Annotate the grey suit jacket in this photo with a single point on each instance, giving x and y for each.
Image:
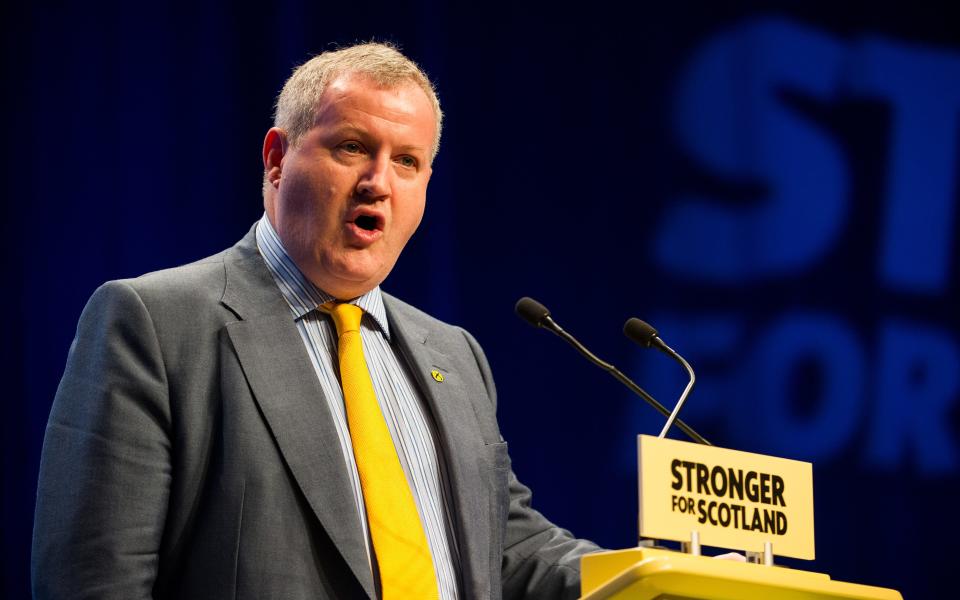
(190, 454)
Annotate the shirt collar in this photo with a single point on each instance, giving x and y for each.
(301, 295)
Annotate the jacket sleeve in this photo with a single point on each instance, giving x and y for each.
(540, 560)
(105, 468)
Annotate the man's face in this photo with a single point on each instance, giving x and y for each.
(352, 192)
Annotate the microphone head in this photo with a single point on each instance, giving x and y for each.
(531, 311)
(640, 332)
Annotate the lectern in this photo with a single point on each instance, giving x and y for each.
(697, 494)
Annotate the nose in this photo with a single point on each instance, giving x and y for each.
(374, 182)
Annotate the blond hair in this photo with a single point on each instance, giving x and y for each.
(297, 103)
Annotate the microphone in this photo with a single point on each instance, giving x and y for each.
(645, 335)
(538, 316)
(534, 313)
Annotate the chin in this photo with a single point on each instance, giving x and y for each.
(355, 275)
(353, 284)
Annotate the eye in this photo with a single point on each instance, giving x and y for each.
(351, 147)
(407, 161)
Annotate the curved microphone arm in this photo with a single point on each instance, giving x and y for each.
(686, 392)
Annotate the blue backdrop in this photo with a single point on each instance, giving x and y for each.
(774, 189)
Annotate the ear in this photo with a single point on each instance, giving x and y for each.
(274, 149)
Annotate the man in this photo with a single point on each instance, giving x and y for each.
(200, 444)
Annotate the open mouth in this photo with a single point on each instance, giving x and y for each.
(366, 222)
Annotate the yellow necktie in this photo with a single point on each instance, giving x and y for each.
(399, 541)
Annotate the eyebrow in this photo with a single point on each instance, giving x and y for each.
(348, 129)
(412, 148)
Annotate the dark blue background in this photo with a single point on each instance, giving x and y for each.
(771, 184)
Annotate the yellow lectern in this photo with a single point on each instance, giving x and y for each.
(702, 494)
(652, 574)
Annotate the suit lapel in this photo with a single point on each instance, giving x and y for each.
(461, 447)
(285, 387)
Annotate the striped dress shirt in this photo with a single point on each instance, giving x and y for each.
(400, 401)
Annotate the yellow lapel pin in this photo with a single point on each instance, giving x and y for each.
(437, 376)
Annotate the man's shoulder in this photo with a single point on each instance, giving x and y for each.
(399, 309)
(186, 293)
(202, 278)
(440, 331)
